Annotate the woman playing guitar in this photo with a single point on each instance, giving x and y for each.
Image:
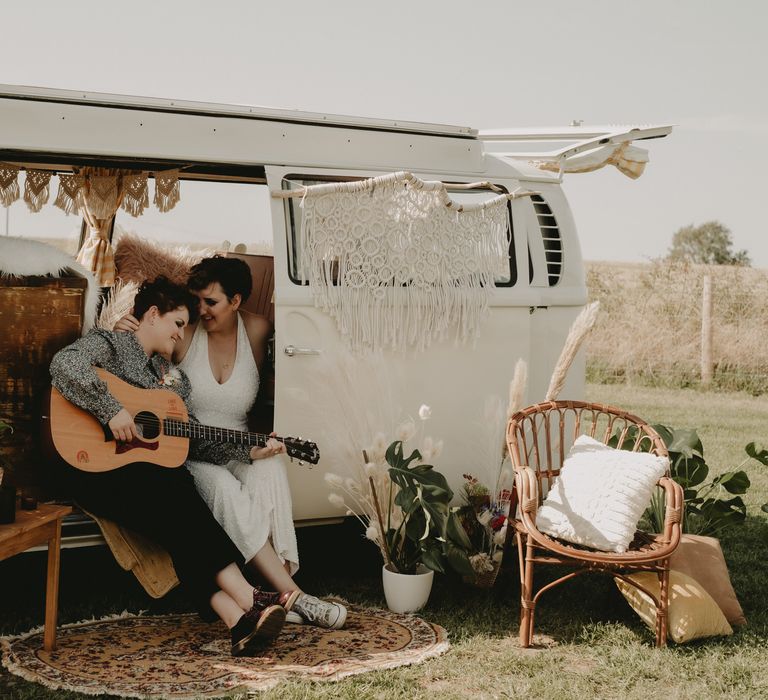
(158, 502)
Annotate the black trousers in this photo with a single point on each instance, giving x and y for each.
(164, 505)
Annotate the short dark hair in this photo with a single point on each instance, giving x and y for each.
(232, 274)
(166, 296)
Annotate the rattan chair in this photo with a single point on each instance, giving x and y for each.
(538, 438)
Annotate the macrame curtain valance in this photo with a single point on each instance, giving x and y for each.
(96, 193)
(627, 159)
(398, 263)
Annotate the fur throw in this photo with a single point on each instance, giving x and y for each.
(138, 259)
(24, 257)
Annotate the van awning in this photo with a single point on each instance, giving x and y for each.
(575, 149)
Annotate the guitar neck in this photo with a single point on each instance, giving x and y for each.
(179, 428)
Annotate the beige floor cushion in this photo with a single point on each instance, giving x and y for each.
(693, 613)
(702, 559)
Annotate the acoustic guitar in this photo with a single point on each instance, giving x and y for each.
(162, 420)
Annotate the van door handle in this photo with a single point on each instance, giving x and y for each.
(292, 350)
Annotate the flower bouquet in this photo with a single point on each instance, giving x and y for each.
(484, 517)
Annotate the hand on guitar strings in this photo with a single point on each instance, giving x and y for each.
(123, 427)
(273, 447)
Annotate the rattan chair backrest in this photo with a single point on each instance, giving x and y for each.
(540, 436)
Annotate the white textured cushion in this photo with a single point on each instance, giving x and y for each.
(600, 495)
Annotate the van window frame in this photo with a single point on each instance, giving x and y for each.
(291, 238)
(189, 170)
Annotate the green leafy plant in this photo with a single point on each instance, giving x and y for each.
(403, 503)
(429, 531)
(759, 453)
(710, 506)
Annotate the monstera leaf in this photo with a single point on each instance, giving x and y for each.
(430, 533)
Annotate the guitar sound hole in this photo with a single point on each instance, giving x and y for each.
(148, 425)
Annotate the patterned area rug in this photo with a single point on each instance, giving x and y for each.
(179, 656)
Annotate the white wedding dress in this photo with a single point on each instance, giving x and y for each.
(252, 502)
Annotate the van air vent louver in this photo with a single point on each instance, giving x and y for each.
(550, 234)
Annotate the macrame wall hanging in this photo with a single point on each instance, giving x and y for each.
(96, 194)
(398, 263)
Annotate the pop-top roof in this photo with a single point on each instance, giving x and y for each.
(560, 143)
(22, 92)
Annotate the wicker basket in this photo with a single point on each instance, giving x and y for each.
(485, 580)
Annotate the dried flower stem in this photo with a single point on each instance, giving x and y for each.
(377, 507)
(380, 520)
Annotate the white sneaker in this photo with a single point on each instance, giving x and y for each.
(293, 617)
(320, 612)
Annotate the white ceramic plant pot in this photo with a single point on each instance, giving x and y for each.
(407, 592)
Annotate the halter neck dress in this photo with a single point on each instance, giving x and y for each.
(252, 502)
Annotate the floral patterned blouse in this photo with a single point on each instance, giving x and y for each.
(121, 354)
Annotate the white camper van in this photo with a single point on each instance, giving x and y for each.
(271, 151)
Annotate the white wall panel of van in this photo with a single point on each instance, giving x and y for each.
(454, 379)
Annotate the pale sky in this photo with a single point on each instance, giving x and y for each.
(695, 63)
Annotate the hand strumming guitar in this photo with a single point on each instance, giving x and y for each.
(123, 427)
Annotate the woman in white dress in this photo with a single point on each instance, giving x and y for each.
(252, 502)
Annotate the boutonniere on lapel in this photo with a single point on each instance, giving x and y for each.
(171, 377)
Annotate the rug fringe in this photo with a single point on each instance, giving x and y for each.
(41, 628)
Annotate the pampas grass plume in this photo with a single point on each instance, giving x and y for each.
(119, 303)
(576, 335)
(517, 388)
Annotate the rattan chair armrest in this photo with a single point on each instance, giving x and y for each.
(673, 515)
(527, 486)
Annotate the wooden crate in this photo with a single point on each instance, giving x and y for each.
(38, 317)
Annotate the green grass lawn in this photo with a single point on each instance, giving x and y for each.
(596, 646)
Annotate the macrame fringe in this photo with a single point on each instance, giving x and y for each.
(100, 195)
(100, 190)
(167, 190)
(69, 187)
(396, 268)
(9, 184)
(135, 193)
(37, 189)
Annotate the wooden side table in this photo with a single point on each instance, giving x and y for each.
(32, 528)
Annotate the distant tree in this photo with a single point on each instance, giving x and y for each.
(708, 244)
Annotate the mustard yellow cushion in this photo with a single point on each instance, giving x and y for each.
(693, 613)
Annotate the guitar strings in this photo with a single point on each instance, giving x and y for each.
(191, 426)
(294, 445)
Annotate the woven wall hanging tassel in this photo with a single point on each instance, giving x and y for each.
(135, 193)
(9, 184)
(37, 189)
(66, 197)
(167, 192)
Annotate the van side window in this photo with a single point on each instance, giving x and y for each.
(50, 225)
(552, 240)
(293, 214)
(207, 214)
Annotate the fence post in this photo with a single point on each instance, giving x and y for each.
(706, 331)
